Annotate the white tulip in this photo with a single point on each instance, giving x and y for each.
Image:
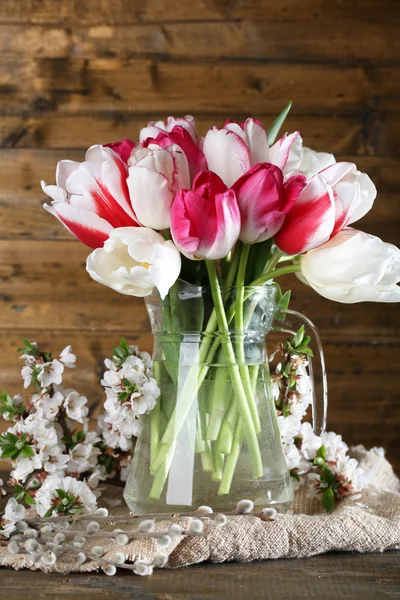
(353, 267)
(134, 260)
(306, 160)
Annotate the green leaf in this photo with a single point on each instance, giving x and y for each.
(19, 496)
(327, 477)
(29, 349)
(282, 304)
(277, 124)
(61, 494)
(10, 452)
(49, 513)
(80, 436)
(298, 338)
(27, 451)
(262, 253)
(321, 452)
(328, 499)
(28, 499)
(295, 475)
(124, 345)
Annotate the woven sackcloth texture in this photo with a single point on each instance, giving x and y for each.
(366, 524)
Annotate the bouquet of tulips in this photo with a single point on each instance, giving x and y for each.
(235, 209)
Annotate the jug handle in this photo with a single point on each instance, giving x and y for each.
(319, 386)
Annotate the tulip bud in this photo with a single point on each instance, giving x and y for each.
(205, 221)
(263, 200)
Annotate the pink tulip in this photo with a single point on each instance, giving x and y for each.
(264, 199)
(205, 221)
(232, 150)
(311, 220)
(180, 132)
(92, 198)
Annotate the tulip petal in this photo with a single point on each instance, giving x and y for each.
(64, 170)
(367, 198)
(101, 182)
(228, 225)
(54, 192)
(165, 267)
(311, 220)
(293, 188)
(257, 142)
(151, 197)
(354, 267)
(279, 152)
(88, 227)
(226, 154)
(334, 173)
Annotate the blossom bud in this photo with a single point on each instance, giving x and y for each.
(97, 551)
(196, 526)
(109, 570)
(245, 506)
(147, 526)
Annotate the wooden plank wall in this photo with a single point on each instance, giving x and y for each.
(78, 72)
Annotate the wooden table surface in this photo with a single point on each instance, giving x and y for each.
(326, 577)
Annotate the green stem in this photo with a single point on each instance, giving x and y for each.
(218, 403)
(239, 335)
(275, 273)
(219, 459)
(237, 443)
(225, 437)
(195, 376)
(234, 372)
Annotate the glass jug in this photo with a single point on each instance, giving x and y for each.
(213, 438)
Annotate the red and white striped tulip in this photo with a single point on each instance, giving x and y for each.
(264, 200)
(311, 220)
(205, 221)
(155, 175)
(180, 132)
(91, 198)
(232, 150)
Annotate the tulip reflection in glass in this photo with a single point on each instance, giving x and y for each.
(216, 221)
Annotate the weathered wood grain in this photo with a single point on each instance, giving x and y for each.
(349, 40)
(332, 577)
(117, 12)
(142, 84)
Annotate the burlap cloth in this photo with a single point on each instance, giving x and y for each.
(368, 523)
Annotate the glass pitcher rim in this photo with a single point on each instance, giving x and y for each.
(270, 288)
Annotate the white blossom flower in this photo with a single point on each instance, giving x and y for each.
(83, 456)
(50, 373)
(310, 442)
(57, 463)
(47, 495)
(67, 358)
(27, 373)
(13, 513)
(48, 405)
(334, 446)
(76, 406)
